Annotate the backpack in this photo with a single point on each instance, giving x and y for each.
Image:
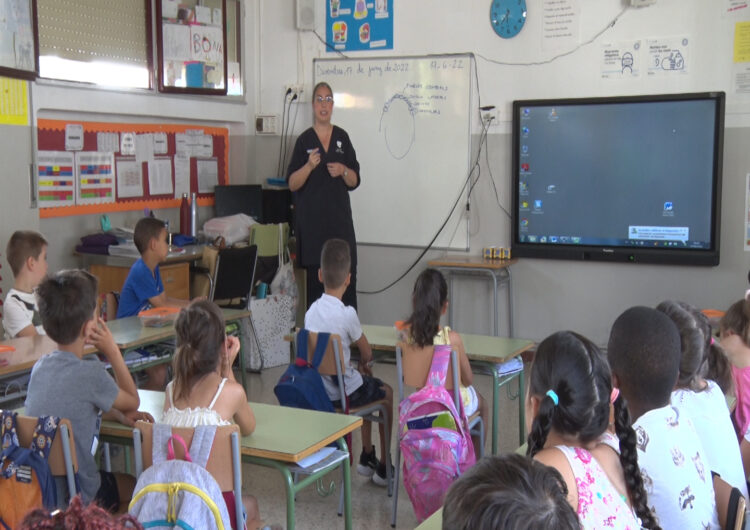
(26, 482)
(301, 385)
(434, 456)
(180, 492)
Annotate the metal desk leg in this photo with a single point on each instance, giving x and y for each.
(495, 406)
(347, 487)
(494, 304)
(511, 332)
(521, 407)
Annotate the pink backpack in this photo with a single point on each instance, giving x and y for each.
(433, 456)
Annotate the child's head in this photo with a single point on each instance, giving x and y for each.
(736, 320)
(429, 299)
(644, 353)
(150, 233)
(335, 263)
(67, 301)
(509, 492)
(701, 355)
(569, 390)
(27, 251)
(201, 338)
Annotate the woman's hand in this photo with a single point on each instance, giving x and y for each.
(313, 159)
(336, 169)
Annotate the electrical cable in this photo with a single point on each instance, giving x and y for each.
(291, 130)
(281, 140)
(286, 133)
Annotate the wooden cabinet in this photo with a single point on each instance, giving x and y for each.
(175, 277)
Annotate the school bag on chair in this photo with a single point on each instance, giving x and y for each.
(26, 482)
(180, 493)
(435, 456)
(301, 385)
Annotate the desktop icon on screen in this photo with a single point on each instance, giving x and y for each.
(525, 166)
(537, 204)
(524, 204)
(668, 206)
(524, 222)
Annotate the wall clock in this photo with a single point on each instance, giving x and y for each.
(507, 17)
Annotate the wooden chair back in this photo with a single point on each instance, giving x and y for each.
(328, 365)
(219, 461)
(26, 425)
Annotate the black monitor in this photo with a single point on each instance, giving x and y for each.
(632, 179)
(239, 198)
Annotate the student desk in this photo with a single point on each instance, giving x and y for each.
(128, 333)
(433, 522)
(283, 436)
(497, 270)
(484, 352)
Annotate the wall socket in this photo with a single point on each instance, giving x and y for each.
(295, 89)
(491, 116)
(266, 124)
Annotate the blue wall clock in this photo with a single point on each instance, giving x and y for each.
(507, 17)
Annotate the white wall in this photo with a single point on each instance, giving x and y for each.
(549, 295)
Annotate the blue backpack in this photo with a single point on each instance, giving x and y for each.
(301, 386)
(25, 478)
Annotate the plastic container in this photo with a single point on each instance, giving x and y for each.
(158, 316)
(185, 215)
(194, 215)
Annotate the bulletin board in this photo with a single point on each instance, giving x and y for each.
(95, 167)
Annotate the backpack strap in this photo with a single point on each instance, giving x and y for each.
(320, 348)
(302, 347)
(439, 368)
(160, 442)
(44, 435)
(8, 430)
(203, 440)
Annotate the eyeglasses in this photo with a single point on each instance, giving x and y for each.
(327, 99)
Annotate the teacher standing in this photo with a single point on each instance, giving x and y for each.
(322, 172)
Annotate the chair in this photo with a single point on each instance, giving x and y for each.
(224, 462)
(736, 512)
(333, 364)
(412, 367)
(62, 457)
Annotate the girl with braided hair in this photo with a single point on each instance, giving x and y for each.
(569, 400)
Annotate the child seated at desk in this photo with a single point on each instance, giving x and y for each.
(65, 384)
(329, 314)
(204, 390)
(430, 302)
(27, 255)
(143, 287)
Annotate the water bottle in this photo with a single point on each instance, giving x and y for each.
(194, 215)
(184, 215)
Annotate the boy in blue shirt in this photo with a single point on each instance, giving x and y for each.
(143, 287)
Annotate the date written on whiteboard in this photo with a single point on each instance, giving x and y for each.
(447, 64)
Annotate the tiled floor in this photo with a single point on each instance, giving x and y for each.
(370, 504)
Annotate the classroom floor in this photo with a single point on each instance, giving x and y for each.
(371, 506)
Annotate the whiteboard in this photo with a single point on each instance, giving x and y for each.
(409, 121)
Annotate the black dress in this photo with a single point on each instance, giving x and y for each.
(322, 207)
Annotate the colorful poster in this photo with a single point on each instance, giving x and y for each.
(353, 25)
(14, 101)
(95, 177)
(55, 178)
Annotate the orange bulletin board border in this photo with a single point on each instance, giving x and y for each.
(121, 205)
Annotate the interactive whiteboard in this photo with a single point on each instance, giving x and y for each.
(408, 119)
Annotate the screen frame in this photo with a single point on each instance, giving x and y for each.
(625, 254)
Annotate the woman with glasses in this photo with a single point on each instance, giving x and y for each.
(322, 172)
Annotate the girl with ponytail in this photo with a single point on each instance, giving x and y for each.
(568, 404)
(735, 339)
(204, 390)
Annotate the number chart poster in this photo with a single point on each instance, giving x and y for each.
(353, 25)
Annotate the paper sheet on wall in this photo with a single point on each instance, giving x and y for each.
(741, 78)
(176, 42)
(129, 178)
(169, 8)
(14, 101)
(208, 175)
(73, 137)
(667, 56)
(160, 143)
(108, 142)
(741, 42)
(127, 144)
(95, 177)
(181, 174)
(55, 178)
(144, 147)
(560, 24)
(621, 60)
(208, 44)
(203, 146)
(160, 176)
(735, 8)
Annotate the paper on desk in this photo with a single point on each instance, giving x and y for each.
(315, 457)
(509, 367)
